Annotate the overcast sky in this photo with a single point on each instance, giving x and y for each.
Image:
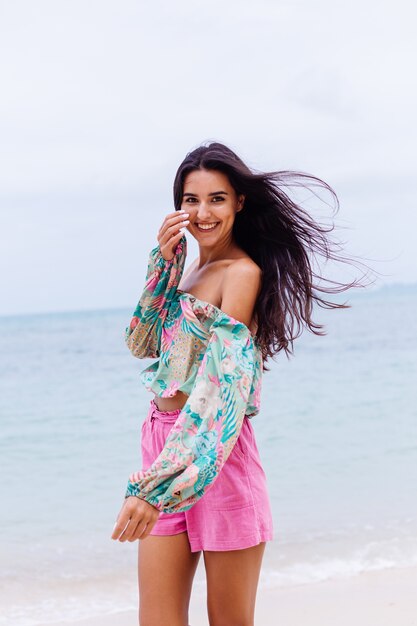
(102, 100)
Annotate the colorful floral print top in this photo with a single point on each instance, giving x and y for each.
(208, 355)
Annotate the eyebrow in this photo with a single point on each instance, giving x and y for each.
(215, 193)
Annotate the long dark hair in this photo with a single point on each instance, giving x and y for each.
(282, 238)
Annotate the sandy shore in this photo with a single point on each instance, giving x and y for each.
(382, 598)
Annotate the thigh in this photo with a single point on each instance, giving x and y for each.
(166, 568)
(232, 582)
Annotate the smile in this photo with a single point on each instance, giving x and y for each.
(206, 227)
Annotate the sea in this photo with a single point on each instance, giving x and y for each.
(337, 434)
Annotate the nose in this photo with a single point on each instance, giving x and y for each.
(203, 212)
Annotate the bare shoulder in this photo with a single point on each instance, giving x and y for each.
(241, 285)
(244, 268)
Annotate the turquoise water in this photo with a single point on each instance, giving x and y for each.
(337, 433)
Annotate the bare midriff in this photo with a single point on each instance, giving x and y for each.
(170, 404)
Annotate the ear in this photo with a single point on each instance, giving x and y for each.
(240, 202)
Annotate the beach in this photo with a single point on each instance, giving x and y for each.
(286, 132)
(380, 598)
(336, 434)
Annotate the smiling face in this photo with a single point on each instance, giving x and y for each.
(212, 203)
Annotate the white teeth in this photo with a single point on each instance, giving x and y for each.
(207, 226)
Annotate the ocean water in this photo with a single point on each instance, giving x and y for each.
(337, 434)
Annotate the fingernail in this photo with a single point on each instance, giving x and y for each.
(186, 222)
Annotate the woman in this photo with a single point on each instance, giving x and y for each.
(203, 488)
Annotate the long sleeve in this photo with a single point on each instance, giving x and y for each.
(208, 425)
(143, 335)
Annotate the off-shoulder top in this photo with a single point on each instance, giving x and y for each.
(210, 356)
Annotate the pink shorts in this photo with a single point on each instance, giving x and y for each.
(235, 512)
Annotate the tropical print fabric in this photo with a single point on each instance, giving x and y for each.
(143, 336)
(209, 355)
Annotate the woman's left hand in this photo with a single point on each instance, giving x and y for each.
(135, 520)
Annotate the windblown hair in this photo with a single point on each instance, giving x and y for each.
(282, 238)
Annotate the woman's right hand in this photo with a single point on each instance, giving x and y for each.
(169, 233)
(135, 520)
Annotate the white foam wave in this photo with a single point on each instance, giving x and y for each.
(376, 555)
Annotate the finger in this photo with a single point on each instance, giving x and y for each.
(123, 518)
(168, 241)
(172, 218)
(119, 526)
(175, 213)
(126, 532)
(170, 227)
(148, 529)
(168, 250)
(130, 529)
(169, 246)
(140, 528)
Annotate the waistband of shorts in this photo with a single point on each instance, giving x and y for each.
(170, 417)
(163, 416)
